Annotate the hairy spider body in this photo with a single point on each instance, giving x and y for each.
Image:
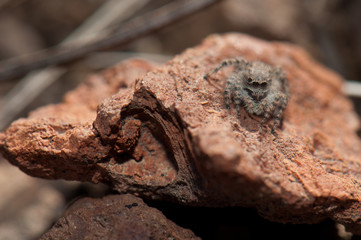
(259, 88)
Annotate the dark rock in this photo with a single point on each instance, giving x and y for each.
(169, 136)
(28, 205)
(111, 218)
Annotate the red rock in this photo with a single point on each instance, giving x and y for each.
(58, 141)
(115, 217)
(170, 137)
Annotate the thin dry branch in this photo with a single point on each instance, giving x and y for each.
(35, 83)
(130, 31)
(353, 88)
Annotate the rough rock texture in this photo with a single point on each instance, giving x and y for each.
(58, 141)
(115, 217)
(170, 137)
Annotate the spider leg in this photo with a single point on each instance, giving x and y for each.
(228, 91)
(279, 73)
(282, 100)
(265, 110)
(238, 97)
(265, 118)
(279, 111)
(227, 62)
(239, 62)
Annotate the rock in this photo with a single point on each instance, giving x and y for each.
(27, 205)
(62, 134)
(115, 217)
(169, 136)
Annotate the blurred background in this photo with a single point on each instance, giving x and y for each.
(330, 30)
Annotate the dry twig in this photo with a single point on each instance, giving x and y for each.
(130, 31)
(35, 83)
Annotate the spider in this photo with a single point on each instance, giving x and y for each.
(259, 88)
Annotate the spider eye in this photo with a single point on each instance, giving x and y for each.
(249, 80)
(264, 84)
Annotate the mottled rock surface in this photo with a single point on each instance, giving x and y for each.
(115, 217)
(169, 136)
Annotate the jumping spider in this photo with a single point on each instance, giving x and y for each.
(259, 88)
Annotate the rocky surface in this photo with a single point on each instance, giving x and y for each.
(167, 135)
(115, 217)
(27, 205)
